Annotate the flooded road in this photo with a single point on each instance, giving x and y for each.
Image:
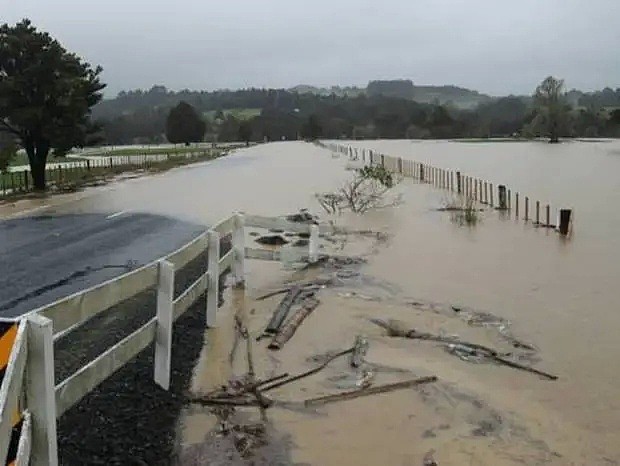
(560, 296)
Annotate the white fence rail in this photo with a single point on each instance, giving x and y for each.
(28, 389)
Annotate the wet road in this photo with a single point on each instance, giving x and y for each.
(46, 257)
(62, 245)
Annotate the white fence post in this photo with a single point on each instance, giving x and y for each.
(214, 277)
(313, 244)
(163, 335)
(238, 244)
(40, 392)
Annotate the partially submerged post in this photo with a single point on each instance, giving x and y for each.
(527, 207)
(537, 212)
(458, 182)
(421, 172)
(565, 221)
(501, 194)
(548, 215)
(516, 205)
(313, 245)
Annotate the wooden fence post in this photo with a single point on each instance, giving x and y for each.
(486, 192)
(458, 182)
(516, 205)
(214, 277)
(509, 203)
(548, 215)
(238, 265)
(26, 184)
(565, 219)
(501, 197)
(527, 207)
(313, 244)
(40, 391)
(421, 172)
(163, 334)
(537, 212)
(491, 193)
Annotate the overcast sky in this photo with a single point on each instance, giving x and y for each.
(494, 46)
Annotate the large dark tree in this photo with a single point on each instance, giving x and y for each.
(184, 125)
(46, 94)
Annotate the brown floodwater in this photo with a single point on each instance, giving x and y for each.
(560, 295)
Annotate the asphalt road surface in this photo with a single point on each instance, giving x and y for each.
(47, 257)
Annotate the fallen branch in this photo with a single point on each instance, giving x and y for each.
(291, 326)
(369, 391)
(273, 293)
(226, 401)
(396, 329)
(307, 373)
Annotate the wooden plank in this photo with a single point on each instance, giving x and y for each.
(82, 382)
(279, 223)
(262, 254)
(225, 227)
(227, 260)
(238, 247)
(25, 441)
(189, 252)
(214, 277)
(84, 305)
(165, 318)
(40, 391)
(190, 295)
(11, 388)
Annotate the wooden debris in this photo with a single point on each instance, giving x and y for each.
(369, 391)
(359, 351)
(206, 401)
(282, 310)
(396, 329)
(291, 326)
(302, 375)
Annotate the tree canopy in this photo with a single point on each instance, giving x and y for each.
(46, 94)
(551, 105)
(184, 125)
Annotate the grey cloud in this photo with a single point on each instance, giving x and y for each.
(495, 46)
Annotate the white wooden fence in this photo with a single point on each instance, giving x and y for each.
(28, 385)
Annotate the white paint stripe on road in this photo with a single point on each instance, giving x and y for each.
(117, 214)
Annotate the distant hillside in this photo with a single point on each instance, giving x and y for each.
(405, 89)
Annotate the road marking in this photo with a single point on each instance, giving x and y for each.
(117, 214)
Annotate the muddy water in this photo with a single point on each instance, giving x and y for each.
(559, 295)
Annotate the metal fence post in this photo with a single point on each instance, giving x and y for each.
(163, 335)
(238, 265)
(214, 277)
(40, 391)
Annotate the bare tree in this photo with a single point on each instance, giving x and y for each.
(365, 191)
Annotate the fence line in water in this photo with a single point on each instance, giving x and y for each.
(472, 188)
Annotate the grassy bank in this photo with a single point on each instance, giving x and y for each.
(59, 179)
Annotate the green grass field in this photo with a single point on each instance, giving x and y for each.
(152, 150)
(22, 159)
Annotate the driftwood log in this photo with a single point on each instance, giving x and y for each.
(291, 326)
(369, 391)
(305, 374)
(282, 310)
(396, 329)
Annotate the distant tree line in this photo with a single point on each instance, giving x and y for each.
(140, 117)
